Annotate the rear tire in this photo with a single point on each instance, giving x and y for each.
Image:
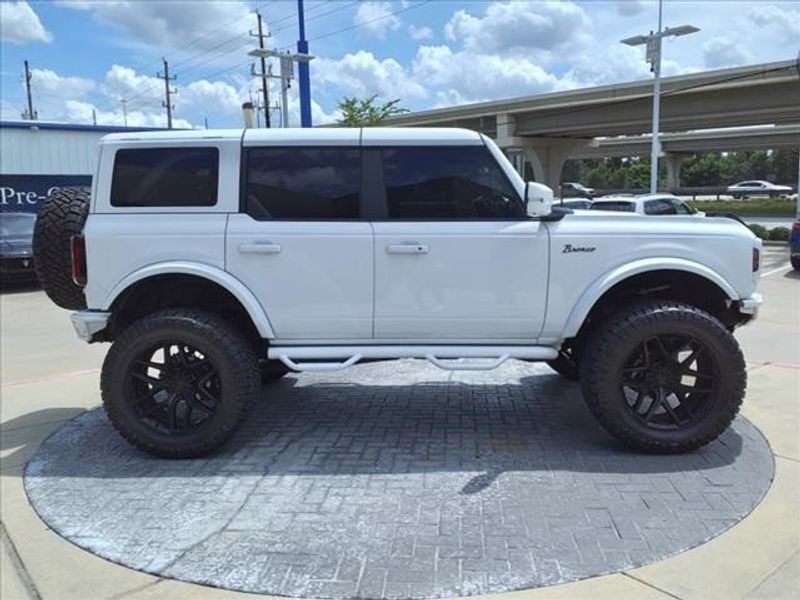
(796, 263)
(663, 377)
(177, 382)
(62, 217)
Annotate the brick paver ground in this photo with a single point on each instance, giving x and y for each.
(397, 480)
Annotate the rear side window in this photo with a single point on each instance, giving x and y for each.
(447, 183)
(615, 206)
(296, 183)
(165, 177)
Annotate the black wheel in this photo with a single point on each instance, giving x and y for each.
(663, 377)
(62, 217)
(272, 370)
(566, 364)
(176, 383)
(796, 263)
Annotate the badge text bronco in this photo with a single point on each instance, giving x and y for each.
(570, 248)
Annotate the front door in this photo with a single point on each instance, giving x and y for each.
(456, 257)
(300, 244)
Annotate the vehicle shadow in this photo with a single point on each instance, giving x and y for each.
(20, 435)
(301, 428)
(792, 274)
(19, 287)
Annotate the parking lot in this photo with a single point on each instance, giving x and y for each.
(50, 377)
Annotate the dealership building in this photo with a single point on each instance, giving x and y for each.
(37, 157)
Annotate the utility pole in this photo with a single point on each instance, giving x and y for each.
(94, 117)
(653, 42)
(124, 110)
(303, 71)
(167, 92)
(30, 114)
(287, 61)
(260, 35)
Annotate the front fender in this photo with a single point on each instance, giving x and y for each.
(618, 274)
(213, 274)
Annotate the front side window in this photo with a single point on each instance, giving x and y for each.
(659, 207)
(447, 183)
(297, 183)
(155, 177)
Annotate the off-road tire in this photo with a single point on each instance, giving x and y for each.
(796, 263)
(272, 370)
(62, 216)
(227, 349)
(611, 344)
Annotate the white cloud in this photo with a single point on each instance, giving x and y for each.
(124, 83)
(784, 24)
(724, 52)
(20, 24)
(375, 19)
(211, 96)
(529, 26)
(77, 111)
(420, 33)
(174, 24)
(362, 74)
(630, 8)
(50, 84)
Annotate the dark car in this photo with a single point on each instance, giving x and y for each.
(16, 246)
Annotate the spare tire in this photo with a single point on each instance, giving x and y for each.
(61, 217)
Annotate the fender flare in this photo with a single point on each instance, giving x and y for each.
(214, 274)
(620, 273)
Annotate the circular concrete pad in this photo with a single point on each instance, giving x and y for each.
(397, 480)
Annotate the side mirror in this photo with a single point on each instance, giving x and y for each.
(538, 199)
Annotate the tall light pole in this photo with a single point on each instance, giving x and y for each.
(653, 41)
(303, 71)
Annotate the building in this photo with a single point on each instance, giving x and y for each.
(38, 157)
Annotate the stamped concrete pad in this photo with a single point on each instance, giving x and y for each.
(397, 480)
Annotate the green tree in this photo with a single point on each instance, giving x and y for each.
(365, 112)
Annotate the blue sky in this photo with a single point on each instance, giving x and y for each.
(91, 55)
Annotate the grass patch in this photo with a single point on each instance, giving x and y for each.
(784, 207)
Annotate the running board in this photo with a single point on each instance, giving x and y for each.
(451, 358)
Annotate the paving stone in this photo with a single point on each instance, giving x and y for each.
(397, 480)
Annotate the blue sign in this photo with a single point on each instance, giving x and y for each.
(25, 193)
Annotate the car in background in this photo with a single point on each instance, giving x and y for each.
(16, 246)
(755, 187)
(577, 203)
(794, 245)
(571, 189)
(648, 204)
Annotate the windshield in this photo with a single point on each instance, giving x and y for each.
(617, 206)
(16, 225)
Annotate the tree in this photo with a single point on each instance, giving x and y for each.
(364, 112)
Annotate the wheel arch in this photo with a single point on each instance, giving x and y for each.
(633, 276)
(202, 276)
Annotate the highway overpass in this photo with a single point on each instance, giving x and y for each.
(550, 128)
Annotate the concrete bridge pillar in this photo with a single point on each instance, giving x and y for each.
(674, 161)
(547, 155)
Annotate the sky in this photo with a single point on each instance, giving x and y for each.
(89, 56)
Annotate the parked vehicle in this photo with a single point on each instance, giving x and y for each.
(648, 204)
(208, 258)
(743, 189)
(794, 245)
(577, 203)
(572, 189)
(16, 251)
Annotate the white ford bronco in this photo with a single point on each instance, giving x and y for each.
(215, 261)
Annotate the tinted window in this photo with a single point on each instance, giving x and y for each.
(303, 183)
(16, 225)
(447, 183)
(165, 177)
(615, 206)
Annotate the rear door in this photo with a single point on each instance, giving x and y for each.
(300, 243)
(456, 257)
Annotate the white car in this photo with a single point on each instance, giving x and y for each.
(743, 189)
(576, 203)
(649, 204)
(215, 261)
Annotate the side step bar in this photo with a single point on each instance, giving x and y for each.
(452, 358)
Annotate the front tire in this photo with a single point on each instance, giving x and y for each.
(177, 382)
(663, 377)
(796, 263)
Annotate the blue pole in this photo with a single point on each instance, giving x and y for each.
(303, 71)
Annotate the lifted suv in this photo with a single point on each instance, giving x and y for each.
(216, 260)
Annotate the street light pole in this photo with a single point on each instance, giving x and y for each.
(653, 42)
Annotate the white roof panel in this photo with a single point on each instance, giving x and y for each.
(316, 136)
(412, 136)
(174, 135)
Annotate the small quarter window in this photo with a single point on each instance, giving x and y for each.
(154, 177)
(296, 183)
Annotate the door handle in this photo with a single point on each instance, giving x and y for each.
(260, 248)
(407, 248)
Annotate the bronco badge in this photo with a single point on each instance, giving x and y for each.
(570, 248)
